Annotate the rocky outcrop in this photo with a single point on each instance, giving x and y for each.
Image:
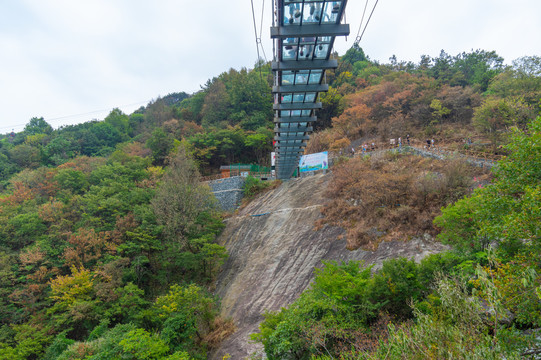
(273, 249)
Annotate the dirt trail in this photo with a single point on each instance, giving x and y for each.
(273, 249)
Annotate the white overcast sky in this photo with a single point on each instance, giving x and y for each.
(72, 61)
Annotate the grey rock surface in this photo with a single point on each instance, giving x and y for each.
(228, 192)
(273, 249)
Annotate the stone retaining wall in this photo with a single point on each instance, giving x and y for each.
(228, 191)
(446, 155)
(434, 154)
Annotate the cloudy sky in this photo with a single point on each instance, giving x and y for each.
(72, 61)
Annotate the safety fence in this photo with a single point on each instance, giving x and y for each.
(441, 148)
(243, 170)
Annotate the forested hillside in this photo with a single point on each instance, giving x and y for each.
(470, 95)
(480, 300)
(107, 236)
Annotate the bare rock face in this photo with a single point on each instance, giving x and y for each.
(273, 249)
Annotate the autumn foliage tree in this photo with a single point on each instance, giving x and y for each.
(377, 200)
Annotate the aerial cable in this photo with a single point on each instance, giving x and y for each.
(362, 19)
(274, 14)
(261, 21)
(95, 111)
(258, 36)
(50, 120)
(261, 30)
(358, 39)
(258, 39)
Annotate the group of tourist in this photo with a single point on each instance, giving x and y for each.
(368, 147)
(393, 142)
(397, 142)
(429, 143)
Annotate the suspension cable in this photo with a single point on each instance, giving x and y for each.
(274, 17)
(257, 41)
(358, 39)
(362, 19)
(261, 30)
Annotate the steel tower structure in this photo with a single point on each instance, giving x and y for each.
(303, 32)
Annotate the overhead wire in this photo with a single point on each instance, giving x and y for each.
(362, 19)
(258, 44)
(257, 41)
(50, 120)
(261, 30)
(359, 38)
(274, 11)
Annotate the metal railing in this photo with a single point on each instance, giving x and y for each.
(256, 174)
(420, 145)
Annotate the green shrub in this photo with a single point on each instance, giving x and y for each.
(254, 186)
(453, 328)
(348, 306)
(395, 285)
(331, 314)
(58, 346)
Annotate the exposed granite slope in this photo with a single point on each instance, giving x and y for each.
(273, 249)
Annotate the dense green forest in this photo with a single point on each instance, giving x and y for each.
(107, 236)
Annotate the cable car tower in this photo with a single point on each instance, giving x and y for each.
(303, 32)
